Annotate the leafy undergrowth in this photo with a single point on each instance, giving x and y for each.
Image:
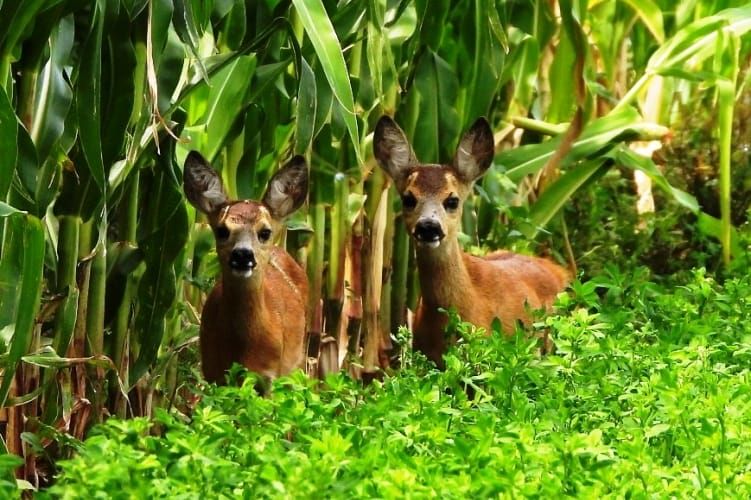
(647, 395)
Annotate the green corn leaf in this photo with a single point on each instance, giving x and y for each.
(521, 68)
(166, 52)
(189, 29)
(27, 173)
(437, 126)
(266, 77)
(700, 38)
(134, 7)
(6, 210)
(324, 101)
(55, 95)
(164, 231)
(326, 44)
(25, 398)
(48, 358)
(20, 280)
(8, 143)
(88, 93)
(118, 92)
(486, 64)
(17, 18)
(694, 43)
(598, 136)
(557, 194)
(375, 50)
(306, 109)
(562, 102)
(651, 15)
(226, 90)
(235, 26)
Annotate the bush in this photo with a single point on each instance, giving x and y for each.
(647, 395)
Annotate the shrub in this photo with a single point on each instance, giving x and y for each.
(647, 395)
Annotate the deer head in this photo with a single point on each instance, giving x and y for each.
(244, 230)
(432, 195)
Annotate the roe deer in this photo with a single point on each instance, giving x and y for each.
(255, 315)
(502, 284)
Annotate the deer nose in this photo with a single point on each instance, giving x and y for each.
(242, 259)
(428, 231)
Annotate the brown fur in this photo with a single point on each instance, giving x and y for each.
(256, 320)
(432, 179)
(260, 326)
(502, 285)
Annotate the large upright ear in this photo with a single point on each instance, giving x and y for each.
(475, 152)
(202, 184)
(392, 150)
(288, 188)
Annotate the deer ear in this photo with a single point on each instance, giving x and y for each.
(202, 184)
(475, 152)
(392, 150)
(288, 188)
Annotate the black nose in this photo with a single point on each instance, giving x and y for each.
(242, 259)
(428, 230)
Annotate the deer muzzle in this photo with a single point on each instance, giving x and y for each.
(428, 232)
(242, 261)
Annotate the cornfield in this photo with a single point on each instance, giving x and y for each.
(105, 266)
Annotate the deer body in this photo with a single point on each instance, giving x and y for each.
(255, 315)
(501, 285)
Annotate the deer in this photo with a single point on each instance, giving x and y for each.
(255, 314)
(502, 284)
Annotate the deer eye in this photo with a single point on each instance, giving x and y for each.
(451, 203)
(221, 233)
(264, 235)
(409, 201)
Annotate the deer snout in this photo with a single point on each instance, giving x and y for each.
(242, 259)
(428, 231)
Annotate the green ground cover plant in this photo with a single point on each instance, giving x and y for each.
(648, 395)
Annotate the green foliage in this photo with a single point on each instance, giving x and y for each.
(9, 488)
(608, 230)
(647, 396)
(21, 289)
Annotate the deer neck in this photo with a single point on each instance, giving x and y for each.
(444, 280)
(244, 304)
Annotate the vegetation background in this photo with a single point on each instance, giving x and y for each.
(104, 266)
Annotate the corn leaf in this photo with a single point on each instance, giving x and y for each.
(597, 137)
(651, 15)
(164, 229)
(326, 44)
(306, 109)
(21, 288)
(8, 143)
(88, 102)
(557, 194)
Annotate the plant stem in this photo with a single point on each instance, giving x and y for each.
(95, 325)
